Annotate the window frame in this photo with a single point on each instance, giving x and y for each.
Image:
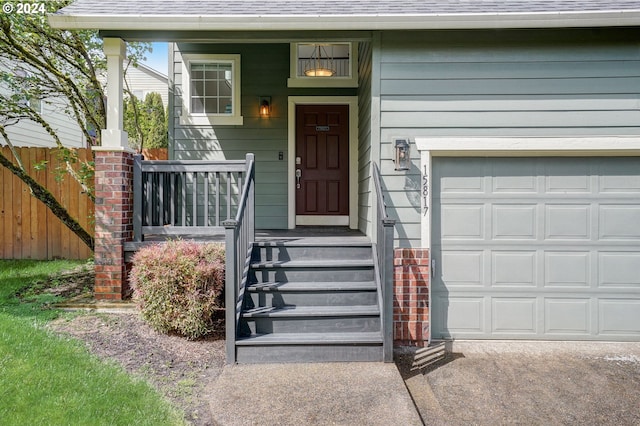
(188, 117)
(302, 81)
(34, 102)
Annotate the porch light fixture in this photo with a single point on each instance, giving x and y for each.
(402, 157)
(265, 106)
(320, 64)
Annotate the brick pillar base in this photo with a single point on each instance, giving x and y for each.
(411, 297)
(114, 222)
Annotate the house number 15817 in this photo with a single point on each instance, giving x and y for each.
(425, 191)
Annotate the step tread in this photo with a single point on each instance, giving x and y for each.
(312, 311)
(323, 263)
(312, 286)
(371, 337)
(311, 244)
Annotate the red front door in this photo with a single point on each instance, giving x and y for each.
(322, 163)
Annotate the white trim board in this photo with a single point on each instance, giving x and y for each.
(352, 102)
(530, 146)
(356, 21)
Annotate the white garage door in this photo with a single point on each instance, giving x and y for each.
(536, 248)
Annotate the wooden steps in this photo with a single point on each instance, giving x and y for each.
(310, 302)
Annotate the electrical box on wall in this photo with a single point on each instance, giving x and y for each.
(402, 150)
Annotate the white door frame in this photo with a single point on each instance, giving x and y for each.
(352, 102)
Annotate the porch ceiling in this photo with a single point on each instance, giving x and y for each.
(239, 15)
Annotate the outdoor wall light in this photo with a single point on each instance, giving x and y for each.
(265, 106)
(402, 158)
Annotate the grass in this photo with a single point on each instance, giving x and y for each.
(49, 380)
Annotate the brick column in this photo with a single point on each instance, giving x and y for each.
(411, 297)
(114, 221)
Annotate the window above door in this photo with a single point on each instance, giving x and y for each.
(323, 64)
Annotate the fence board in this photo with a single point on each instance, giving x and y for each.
(7, 214)
(27, 228)
(41, 251)
(25, 214)
(155, 153)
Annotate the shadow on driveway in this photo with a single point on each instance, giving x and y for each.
(488, 383)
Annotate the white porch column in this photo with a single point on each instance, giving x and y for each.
(114, 136)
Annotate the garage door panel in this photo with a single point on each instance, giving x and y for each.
(514, 221)
(514, 269)
(537, 248)
(619, 317)
(621, 270)
(464, 315)
(463, 268)
(619, 222)
(461, 178)
(614, 184)
(565, 316)
(567, 175)
(567, 269)
(518, 176)
(624, 179)
(463, 221)
(568, 222)
(513, 316)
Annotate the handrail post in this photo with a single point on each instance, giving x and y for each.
(230, 288)
(387, 285)
(137, 197)
(384, 238)
(251, 201)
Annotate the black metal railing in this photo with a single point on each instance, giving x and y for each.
(240, 235)
(384, 254)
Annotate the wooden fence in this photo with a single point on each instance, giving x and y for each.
(28, 230)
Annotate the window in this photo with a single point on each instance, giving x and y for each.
(30, 100)
(211, 90)
(321, 64)
(35, 104)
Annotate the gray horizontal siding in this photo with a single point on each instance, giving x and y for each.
(264, 72)
(364, 138)
(501, 83)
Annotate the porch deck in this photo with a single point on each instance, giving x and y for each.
(305, 235)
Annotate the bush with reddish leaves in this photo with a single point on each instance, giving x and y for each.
(178, 285)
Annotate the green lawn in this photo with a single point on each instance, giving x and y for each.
(49, 380)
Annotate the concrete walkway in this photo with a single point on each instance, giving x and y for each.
(312, 394)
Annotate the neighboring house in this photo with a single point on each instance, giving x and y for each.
(144, 80)
(507, 134)
(29, 133)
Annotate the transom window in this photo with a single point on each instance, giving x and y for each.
(211, 89)
(323, 64)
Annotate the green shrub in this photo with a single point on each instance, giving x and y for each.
(178, 286)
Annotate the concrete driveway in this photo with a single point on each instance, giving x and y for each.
(489, 383)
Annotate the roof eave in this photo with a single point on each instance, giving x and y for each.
(350, 22)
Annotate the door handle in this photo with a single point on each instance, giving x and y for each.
(298, 176)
